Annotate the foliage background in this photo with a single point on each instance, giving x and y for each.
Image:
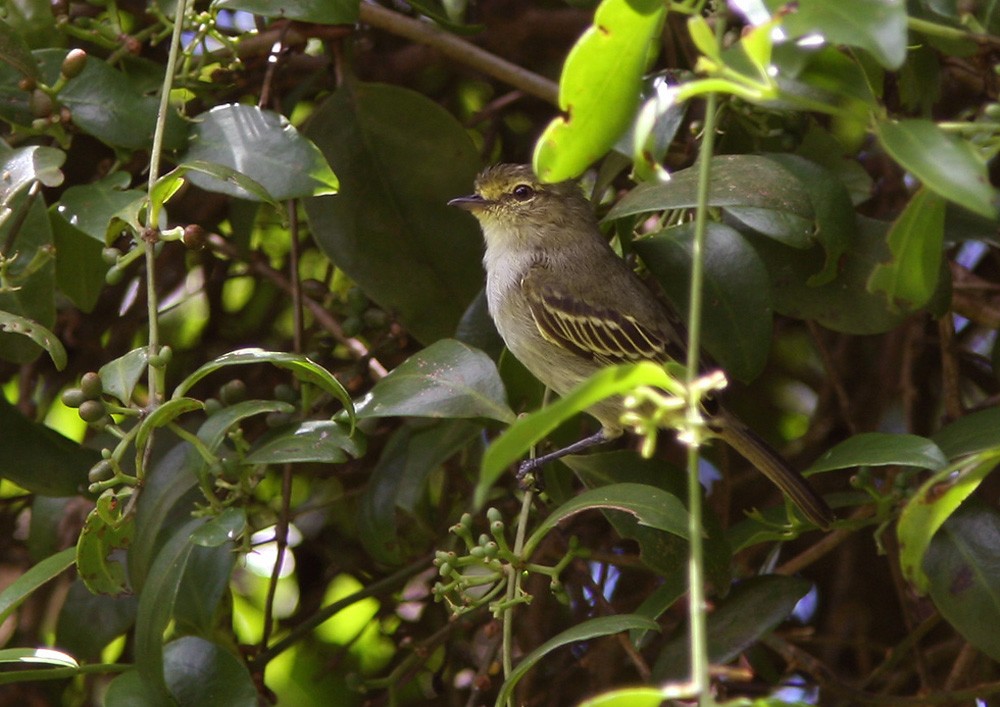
(851, 285)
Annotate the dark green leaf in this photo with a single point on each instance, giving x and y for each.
(88, 622)
(225, 527)
(591, 628)
(14, 51)
(80, 269)
(737, 319)
(206, 581)
(976, 432)
(121, 375)
(164, 414)
(753, 608)
(92, 208)
(945, 164)
(40, 573)
(324, 441)
(215, 177)
(964, 576)
(39, 459)
(24, 165)
(600, 87)
(324, 12)
(881, 449)
(447, 379)
(13, 324)
(200, 673)
(910, 279)
(400, 157)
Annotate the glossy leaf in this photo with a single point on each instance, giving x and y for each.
(300, 366)
(200, 673)
(400, 158)
(106, 533)
(532, 429)
(13, 324)
(324, 12)
(878, 26)
(121, 375)
(737, 320)
(80, 269)
(23, 165)
(599, 88)
(92, 208)
(881, 449)
(935, 501)
(591, 628)
(964, 576)
(946, 165)
(447, 379)
(38, 574)
(399, 481)
(205, 583)
(650, 505)
(39, 459)
(263, 146)
(323, 441)
(915, 239)
(228, 526)
(753, 608)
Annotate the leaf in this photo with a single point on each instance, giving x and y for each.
(591, 628)
(977, 432)
(881, 449)
(92, 208)
(752, 186)
(324, 441)
(200, 673)
(164, 414)
(878, 26)
(225, 527)
(120, 376)
(206, 581)
(599, 88)
(652, 507)
(447, 379)
(400, 158)
(910, 279)
(627, 697)
(42, 656)
(932, 505)
(324, 12)
(99, 557)
(39, 459)
(302, 368)
(80, 268)
(34, 577)
(88, 622)
(964, 576)
(13, 324)
(399, 481)
(753, 608)
(945, 164)
(530, 429)
(737, 320)
(23, 165)
(14, 51)
(263, 146)
(215, 177)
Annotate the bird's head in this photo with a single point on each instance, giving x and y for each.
(515, 208)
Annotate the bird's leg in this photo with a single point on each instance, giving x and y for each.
(528, 466)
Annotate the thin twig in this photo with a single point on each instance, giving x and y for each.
(949, 369)
(832, 376)
(826, 544)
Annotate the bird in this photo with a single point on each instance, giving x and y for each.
(566, 305)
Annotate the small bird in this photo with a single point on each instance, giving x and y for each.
(566, 306)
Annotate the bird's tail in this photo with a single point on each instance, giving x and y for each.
(763, 456)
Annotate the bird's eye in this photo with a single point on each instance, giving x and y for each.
(522, 192)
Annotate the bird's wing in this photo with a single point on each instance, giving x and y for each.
(607, 335)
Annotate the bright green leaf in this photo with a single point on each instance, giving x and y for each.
(105, 533)
(43, 656)
(37, 575)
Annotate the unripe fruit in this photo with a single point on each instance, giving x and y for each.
(91, 385)
(73, 397)
(41, 104)
(73, 64)
(91, 411)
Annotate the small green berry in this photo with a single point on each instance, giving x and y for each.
(91, 411)
(91, 385)
(74, 63)
(73, 397)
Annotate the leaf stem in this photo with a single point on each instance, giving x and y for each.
(514, 586)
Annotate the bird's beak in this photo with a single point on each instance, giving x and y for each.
(472, 202)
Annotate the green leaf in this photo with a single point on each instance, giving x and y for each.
(226, 527)
(400, 158)
(764, 193)
(13, 324)
(399, 482)
(200, 673)
(42, 656)
(447, 379)
(753, 608)
(164, 414)
(215, 177)
(737, 320)
(80, 268)
(323, 441)
(627, 697)
(935, 501)
(24, 165)
(206, 581)
(531, 429)
(599, 88)
(973, 433)
(106, 532)
(945, 164)
(109, 105)
(92, 208)
(38, 574)
(39, 459)
(591, 628)
(300, 366)
(14, 51)
(910, 279)
(964, 577)
(881, 449)
(120, 376)
(323, 12)
(652, 507)
(88, 622)
(878, 26)
(263, 146)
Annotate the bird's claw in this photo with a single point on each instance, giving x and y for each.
(527, 479)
